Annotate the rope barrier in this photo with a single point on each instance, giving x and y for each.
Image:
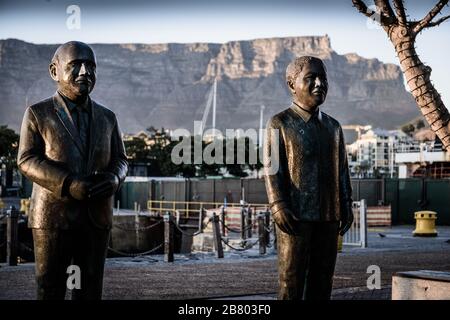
(120, 226)
(135, 254)
(209, 221)
(31, 250)
(245, 245)
(189, 234)
(239, 249)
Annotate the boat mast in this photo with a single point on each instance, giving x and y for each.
(261, 116)
(214, 107)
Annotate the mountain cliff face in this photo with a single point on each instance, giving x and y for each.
(168, 84)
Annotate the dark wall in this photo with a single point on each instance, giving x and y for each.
(407, 196)
(404, 195)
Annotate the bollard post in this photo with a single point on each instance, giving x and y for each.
(12, 237)
(200, 218)
(267, 224)
(363, 223)
(177, 217)
(243, 235)
(275, 245)
(248, 225)
(222, 216)
(262, 233)
(168, 238)
(217, 236)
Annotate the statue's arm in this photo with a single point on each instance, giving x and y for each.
(33, 162)
(345, 186)
(275, 164)
(344, 176)
(118, 163)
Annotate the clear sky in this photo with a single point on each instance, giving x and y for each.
(134, 21)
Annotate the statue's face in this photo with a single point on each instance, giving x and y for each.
(311, 86)
(75, 71)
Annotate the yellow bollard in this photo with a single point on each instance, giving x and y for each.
(24, 205)
(340, 240)
(425, 224)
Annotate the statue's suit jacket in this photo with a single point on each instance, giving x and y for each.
(50, 150)
(306, 167)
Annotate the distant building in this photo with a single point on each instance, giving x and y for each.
(422, 160)
(372, 154)
(392, 153)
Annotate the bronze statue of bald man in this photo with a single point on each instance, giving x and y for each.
(72, 150)
(310, 192)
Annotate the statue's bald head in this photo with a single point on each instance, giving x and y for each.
(73, 67)
(71, 49)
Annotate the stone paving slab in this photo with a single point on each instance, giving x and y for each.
(125, 279)
(358, 293)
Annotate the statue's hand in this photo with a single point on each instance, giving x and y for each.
(79, 188)
(346, 221)
(285, 220)
(104, 186)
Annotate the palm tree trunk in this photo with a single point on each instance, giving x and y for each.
(402, 33)
(418, 81)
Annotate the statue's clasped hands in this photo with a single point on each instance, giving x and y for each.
(105, 184)
(98, 185)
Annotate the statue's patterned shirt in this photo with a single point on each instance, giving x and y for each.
(312, 178)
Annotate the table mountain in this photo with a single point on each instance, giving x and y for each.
(167, 85)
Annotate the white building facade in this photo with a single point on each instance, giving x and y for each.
(373, 153)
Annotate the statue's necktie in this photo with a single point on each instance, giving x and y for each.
(83, 127)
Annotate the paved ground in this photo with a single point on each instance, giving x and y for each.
(250, 276)
(358, 293)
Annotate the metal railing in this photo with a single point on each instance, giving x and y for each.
(418, 147)
(186, 208)
(357, 234)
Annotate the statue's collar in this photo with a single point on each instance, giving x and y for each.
(72, 105)
(304, 114)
